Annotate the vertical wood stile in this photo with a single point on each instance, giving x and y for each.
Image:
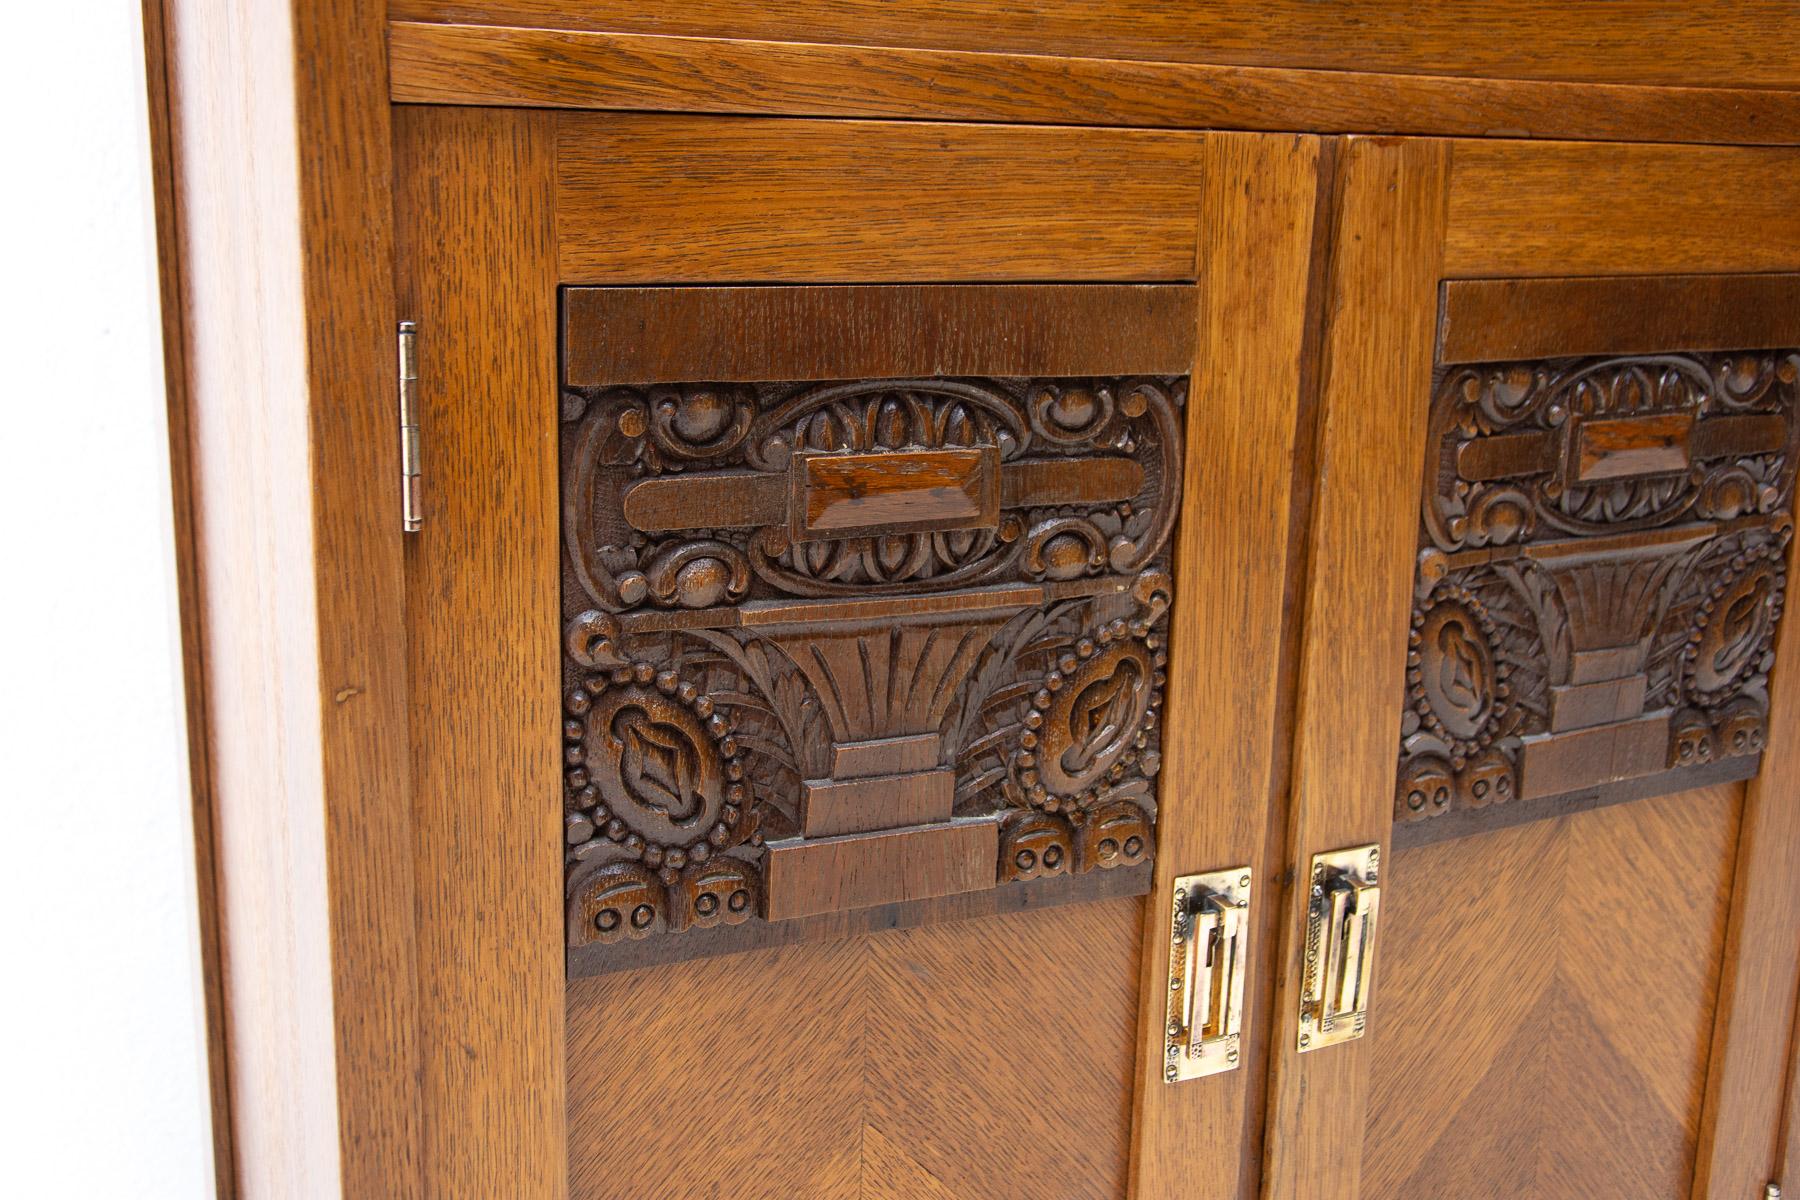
(1376, 382)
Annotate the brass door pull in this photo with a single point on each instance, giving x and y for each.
(1209, 934)
(1340, 946)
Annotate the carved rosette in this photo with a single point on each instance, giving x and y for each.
(799, 614)
(1603, 548)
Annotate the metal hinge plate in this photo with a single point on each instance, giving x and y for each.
(411, 516)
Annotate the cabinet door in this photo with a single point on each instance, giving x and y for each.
(812, 620)
(1545, 695)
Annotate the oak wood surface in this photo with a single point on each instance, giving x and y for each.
(1761, 971)
(436, 63)
(1376, 384)
(1258, 234)
(987, 1058)
(676, 199)
(282, 223)
(1561, 208)
(1025, 896)
(477, 271)
(1545, 1005)
(627, 335)
(1745, 43)
(813, 876)
(1494, 320)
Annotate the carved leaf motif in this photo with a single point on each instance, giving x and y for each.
(1462, 668)
(661, 768)
(1741, 629)
(1102, 712)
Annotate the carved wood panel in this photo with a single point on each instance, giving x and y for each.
(1601, 570)
(834, 645)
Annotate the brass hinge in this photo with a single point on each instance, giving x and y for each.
(411, 516)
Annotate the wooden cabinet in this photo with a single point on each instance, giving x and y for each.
(998, 607)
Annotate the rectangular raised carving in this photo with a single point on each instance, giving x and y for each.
(898, 491)
(1602, 564)
(838, 644)
(806, 877)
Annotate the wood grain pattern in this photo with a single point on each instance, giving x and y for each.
(627, 335)
(1761, 974)
(680, 199)
(865, 1066)
(282, 222)
(1656, 41)
(1259, 222)
(1495, 320)
(475, 244)
(437, 63)
(1545, 1005)
(813, 876)
(1532, 209)
(1378, 343)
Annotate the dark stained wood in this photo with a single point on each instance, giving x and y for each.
(897, 641)
(282, 222)
(860, 803)
(1599, 604)
(1620, 447)
(1022, 897)
(846, 495)
(818, 875)
(779, 201)
(635, 335)
(1493, 320)
(1470, 822)
(564, 68)
(1656, 41)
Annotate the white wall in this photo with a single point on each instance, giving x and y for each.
(102, 1081)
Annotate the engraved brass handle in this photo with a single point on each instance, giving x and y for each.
(1209, 935)
(1340, 946)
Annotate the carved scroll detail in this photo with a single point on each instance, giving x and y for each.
(1601, 570)
(797, 614)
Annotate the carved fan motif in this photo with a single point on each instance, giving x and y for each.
(803, 614)
(1602, 556)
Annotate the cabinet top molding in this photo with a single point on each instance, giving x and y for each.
(863, 68)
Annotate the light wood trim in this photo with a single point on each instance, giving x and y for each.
(283, 230)
(1744, 42)
(630, 335)
(1492, 320)
(1568, 208)
(478, 270)
(1227, 639)
(190, 597)
(1754, 1023)
(437, 63)
(1377, 383)
(670, 199)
